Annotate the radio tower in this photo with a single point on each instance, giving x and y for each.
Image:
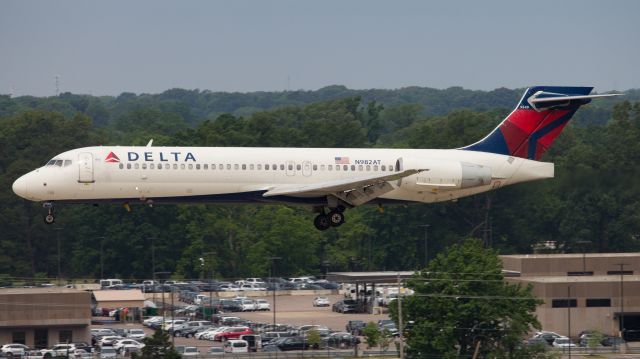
(57, 77)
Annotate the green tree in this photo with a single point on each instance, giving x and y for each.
(461, 299)
(313, 338)
(371, 334)
(157, 346)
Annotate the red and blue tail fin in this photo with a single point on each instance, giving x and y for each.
(532, 127)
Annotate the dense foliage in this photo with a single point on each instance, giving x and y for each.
(462, 304)
(594, 196)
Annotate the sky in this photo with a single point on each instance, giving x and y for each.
(110, 47)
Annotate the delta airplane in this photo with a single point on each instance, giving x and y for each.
(328, 179)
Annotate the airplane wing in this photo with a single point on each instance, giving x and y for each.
(354, 191)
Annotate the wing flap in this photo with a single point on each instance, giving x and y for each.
(342, 187)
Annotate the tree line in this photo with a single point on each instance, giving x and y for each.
(594, 197)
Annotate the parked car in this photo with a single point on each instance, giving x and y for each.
(345, 306)
(355, 327)
(610, 341)
(58, 350)
(563, 342)
(190, 352)
(550, 337)
(214, 351)
(254, 341)
(321, 302)
(10, 350)
(136, 334)
(236, 346)
(247, 305)
(287, 343)
(340, 340)
(120, 344)
(108, 352)
(267, 337)
(232, 333)
(262, 304)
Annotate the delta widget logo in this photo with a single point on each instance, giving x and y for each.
(112, 158)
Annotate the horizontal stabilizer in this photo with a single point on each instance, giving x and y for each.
(569, 98)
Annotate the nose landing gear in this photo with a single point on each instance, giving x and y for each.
(49, 218)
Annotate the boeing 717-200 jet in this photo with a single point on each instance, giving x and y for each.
(328, 179)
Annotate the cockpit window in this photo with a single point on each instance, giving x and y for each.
(59, 163)
(67, 163)
(51, 163)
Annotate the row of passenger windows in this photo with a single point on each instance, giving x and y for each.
(252, 167)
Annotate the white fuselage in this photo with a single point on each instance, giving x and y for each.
(228, 174)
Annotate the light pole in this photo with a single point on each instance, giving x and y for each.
(210, 255)
(101, 238)
(271, 274)
(426, 243)
(584, 255)
(569, 318)
(622, 298)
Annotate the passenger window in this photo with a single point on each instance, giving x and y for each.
(298, 167)
(197, 166)
(384, 168)
(244, 167)
(353, 167)
(290, 167)
(282, 167)
(175, 166)
(190, 166)
(221, 166)
(315, 167)
(360, 168)
(182, 166)
(67, 163)
(322, 167)
(229, 166)
(345, 167)
(251, 167)
(390, 168)
(375, 167)
(136, 166)
(337, 168)
(144, 166)
(259, 167)
(128, 166)
(236, 167)
(368, 168)
(266, 167)
(121, 166)
(205, 166)
(213, 166)
(152, 167)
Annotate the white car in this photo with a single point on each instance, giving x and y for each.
(262, 304)
(228, 287)
(108, 353)
(14, 349)
(211, 333)
(563, 342)
(321, 302)
(128, 342)
(252, 287)
(137, 334)
(190, 352)
(109, 340)
(236, 346)
(150, 320)
(248, 305)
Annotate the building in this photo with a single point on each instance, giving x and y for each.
(131, 301)
(42, 317)
(593, 291)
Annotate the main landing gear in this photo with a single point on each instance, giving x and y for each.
(334, 218)
(49, 218)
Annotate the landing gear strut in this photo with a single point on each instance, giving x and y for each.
(49, 218)
(334, 218)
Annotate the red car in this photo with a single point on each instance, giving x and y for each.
(233, 333)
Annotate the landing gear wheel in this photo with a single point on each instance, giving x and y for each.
(322, 222)
(49, 218)
(336, 218)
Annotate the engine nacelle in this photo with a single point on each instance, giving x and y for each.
(442, 174)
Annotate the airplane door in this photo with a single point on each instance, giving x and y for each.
(291, 168)
(306, 168)
(85, 165)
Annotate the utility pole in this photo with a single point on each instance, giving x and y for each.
(272, 275)
(400, 328)
(210, 256)
(569, 318)
(58, 229)
(584, 255)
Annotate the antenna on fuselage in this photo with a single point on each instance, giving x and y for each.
(150, 143)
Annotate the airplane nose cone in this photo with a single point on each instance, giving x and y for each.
(20, 187)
